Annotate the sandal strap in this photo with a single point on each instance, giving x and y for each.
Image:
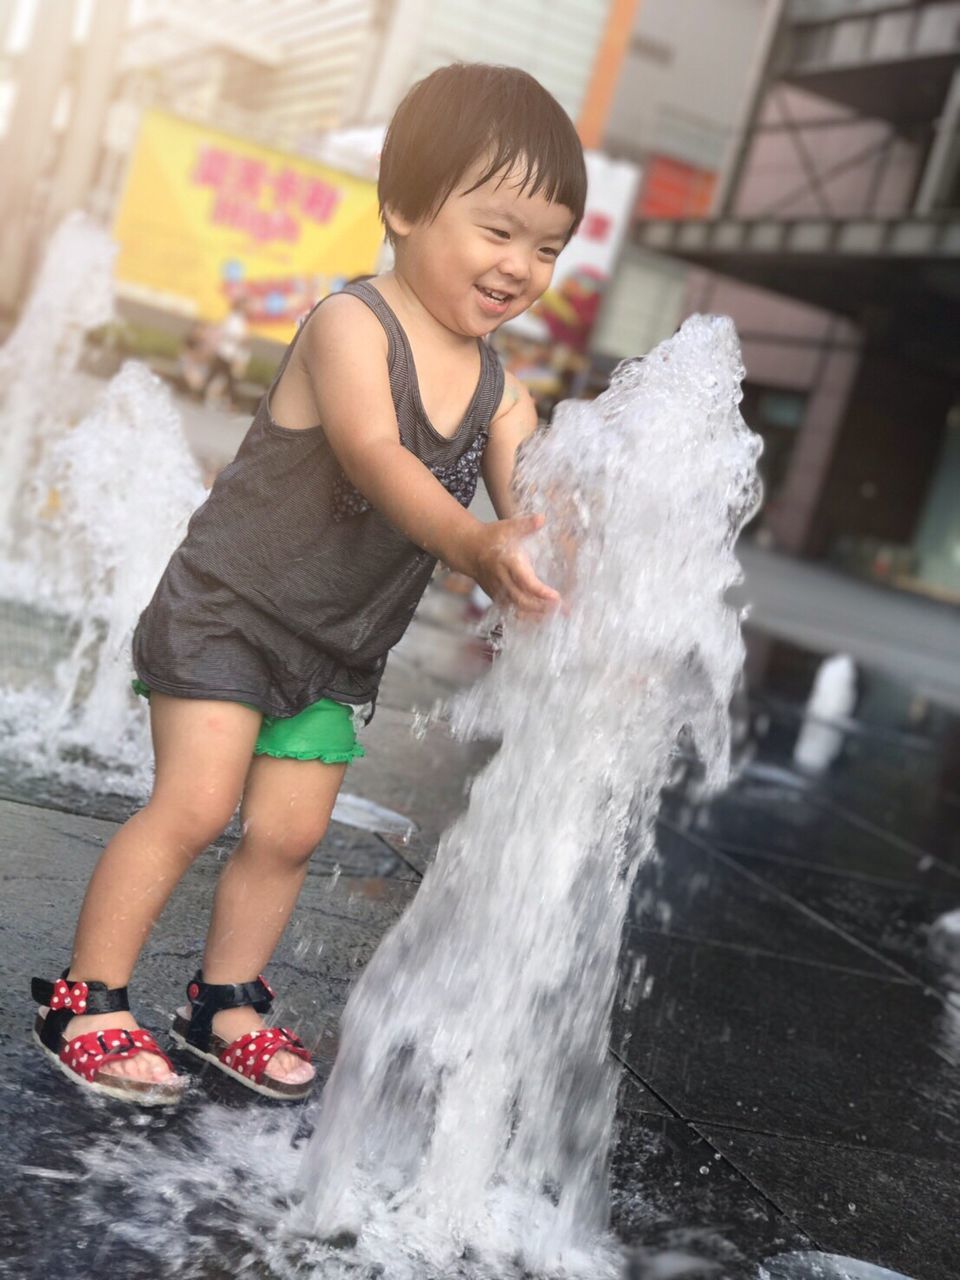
(67, 998)
(86, 1054)
(250, 1055)
(207, 999)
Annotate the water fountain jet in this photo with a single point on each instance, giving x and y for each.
(471, 1105)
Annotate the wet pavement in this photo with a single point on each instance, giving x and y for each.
(791, 1048)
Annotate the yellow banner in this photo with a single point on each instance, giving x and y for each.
(206, 216)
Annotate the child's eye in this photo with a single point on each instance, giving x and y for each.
(554, 253)
(498, 231)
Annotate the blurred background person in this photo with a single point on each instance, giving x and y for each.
(195, 358)
(231, 356)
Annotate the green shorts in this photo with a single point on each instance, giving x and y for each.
(323, 731)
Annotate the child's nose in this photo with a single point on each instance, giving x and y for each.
(516, 265)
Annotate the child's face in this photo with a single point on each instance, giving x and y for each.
(495, 239)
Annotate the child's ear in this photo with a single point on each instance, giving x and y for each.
(398, 224)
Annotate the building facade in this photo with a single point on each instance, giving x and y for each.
(834, 241)
(678, 101)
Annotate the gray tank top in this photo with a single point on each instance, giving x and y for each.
(289, 587)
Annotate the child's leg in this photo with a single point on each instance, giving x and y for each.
(285, 811)
(203, 752)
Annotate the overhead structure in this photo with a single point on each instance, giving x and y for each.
(842, 193)
(866, 95)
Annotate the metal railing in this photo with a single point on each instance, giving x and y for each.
(868, 34)
(905, 239)
(831, 10)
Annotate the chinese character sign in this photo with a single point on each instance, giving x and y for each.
(206, 217)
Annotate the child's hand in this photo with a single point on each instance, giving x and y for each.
(503, 568)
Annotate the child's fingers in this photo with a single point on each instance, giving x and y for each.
(514, 595)
(523, 526)
(521, 571)
(529, 595)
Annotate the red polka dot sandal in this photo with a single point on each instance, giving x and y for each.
(246, 1058)
(83, 1058)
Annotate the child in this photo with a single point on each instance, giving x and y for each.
(273, 620)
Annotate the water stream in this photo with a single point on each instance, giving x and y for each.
(470, 1110)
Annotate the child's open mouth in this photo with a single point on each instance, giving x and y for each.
(493, 301)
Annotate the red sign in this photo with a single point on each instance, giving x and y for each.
(672, 189)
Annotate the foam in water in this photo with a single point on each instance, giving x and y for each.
(470, 1109)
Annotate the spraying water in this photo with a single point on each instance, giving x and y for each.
(831, 702)
(91, 509)
(82, 538)
(124, 485)
(470, 1110)
(824, 1266)
(73, 294)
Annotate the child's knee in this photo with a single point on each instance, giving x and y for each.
(194, 820)
(286, 838)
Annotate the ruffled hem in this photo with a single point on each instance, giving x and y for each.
(326, 757)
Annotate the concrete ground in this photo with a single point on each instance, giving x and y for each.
(790, 1053)
(790, 1042)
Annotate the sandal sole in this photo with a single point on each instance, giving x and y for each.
(142, 1094)
(281, 1093)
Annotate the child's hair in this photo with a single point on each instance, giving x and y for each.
(463, 112)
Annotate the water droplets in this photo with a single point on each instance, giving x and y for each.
(95, 553)
(472, 1101)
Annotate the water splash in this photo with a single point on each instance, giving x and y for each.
(943, 944)
(90, 512)
(827, 713)
(118, 525)
(470, 1110)
(823, 1266)
(365, 815)
(125, 485)
(73, 294)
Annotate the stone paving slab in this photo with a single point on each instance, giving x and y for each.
(898, 1211)
(807, 833)
(45, 862)
(788, 1047)
(691, 891)
(891, 918)
(677, 1194)
(787, 977)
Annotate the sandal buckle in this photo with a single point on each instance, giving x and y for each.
(124, 1046)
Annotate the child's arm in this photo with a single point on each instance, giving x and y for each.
(344, 352)
(514, 422)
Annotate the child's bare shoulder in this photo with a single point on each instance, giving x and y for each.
(338, 368)
(342, 323)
